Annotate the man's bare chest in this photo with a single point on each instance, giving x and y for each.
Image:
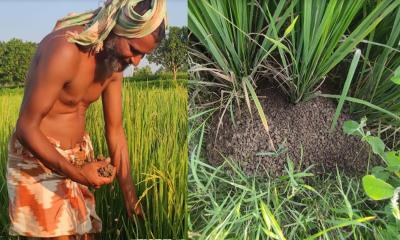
(84, 89)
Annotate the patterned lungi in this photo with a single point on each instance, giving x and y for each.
(43, 203)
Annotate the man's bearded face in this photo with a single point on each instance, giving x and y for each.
(113, 60)
(120, 52)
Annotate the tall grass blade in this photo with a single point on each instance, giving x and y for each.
(346, 87)
(341, 225)
(365, 103)
(271, 222)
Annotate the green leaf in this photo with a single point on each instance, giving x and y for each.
(393, 161)
(376, 188)
(380, 172)
(257, 103)
(341, 225)
(350, 126)
(270, 221)
(378, 147)
(291, 26)
(270, 233)
(277, 43)
(362, 102)
(393, 158)
(396, 76)
(346, 87)
(396, 80)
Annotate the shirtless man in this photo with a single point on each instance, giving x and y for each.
(73, 66)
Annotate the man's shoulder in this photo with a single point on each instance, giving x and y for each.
(56, 45)
(56, 55)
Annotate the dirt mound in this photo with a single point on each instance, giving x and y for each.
(302, 131)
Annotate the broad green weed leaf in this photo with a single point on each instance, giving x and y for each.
(350, 126)
(392, 158)
(393, 161)
(376, 188)
(380, 172)
(378, 147)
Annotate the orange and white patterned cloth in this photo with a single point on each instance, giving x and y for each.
(43, 203)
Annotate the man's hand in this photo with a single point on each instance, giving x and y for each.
(130, 202)
(90, 172)
(116, 142)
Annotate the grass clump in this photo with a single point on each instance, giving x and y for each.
(327, 32)
(377, 79)
(237, 36)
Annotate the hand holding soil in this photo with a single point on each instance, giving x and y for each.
(106, 171)
(94, 178)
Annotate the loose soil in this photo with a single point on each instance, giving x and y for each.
(81, 160)
(303, 126)
(104, 171)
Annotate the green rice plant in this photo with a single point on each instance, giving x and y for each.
(161, 76)
(327, 32)
(237, 38)
(343, 97)
(155, 123)
(381, 64)
(225, 203)
(346, 87)
(9, 104)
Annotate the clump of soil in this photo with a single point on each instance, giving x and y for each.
(81, 159)
(305, 125)
(105, 171)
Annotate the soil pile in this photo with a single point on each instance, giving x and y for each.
(303, 126)
(81, 159)
(105, 171)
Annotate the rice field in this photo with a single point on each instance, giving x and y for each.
(155, 123)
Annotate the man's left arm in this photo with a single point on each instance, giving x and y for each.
(116, 142)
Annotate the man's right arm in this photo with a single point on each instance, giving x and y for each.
(53, 70)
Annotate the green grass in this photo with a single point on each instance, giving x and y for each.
(155, 123)
(327, 32)
(373, 81)
(161, 83)
(163, 76)
(225, 203)
(237, 36)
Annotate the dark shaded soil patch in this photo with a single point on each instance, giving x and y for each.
(104, 171)
(306, 124)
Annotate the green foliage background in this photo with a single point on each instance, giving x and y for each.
(15, 58)
(171, 54)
